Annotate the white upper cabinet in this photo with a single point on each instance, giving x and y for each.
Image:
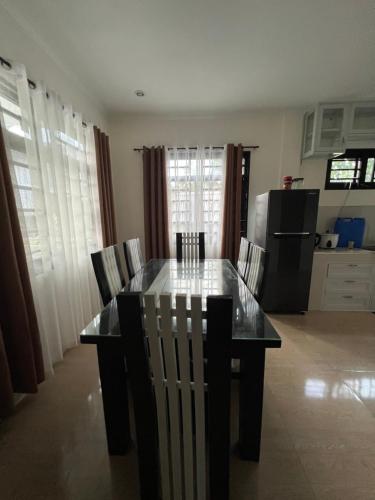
(308, 134)
(333, 128)
(324, 130)
(361, 128)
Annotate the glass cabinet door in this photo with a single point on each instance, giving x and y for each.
(362, 118)
(308, 133)
(331, 128)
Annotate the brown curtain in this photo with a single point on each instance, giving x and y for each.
(6, 389)
(21, 363)
(155, 203)
(107, 210)
(232, 203)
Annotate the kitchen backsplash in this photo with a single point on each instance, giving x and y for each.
(327, 216)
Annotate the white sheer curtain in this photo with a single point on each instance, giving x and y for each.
(53, 167)
(196, 183)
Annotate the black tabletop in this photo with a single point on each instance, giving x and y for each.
(208, 277)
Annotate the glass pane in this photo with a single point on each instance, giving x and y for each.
(364, 118)
(310, 123)
(26, 198)
(309, 132)
(331, 127)
(370, 170)
(22, 175)
(345, 170)
(343, 164)
(332, 119)
(342, 175)
(10, 106)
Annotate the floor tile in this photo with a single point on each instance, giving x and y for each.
(324, 492)
(318, 437)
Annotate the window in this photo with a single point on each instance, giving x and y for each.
(21, 171)
(32, 187)
(352, 170)
(52, 162)
(196, 181)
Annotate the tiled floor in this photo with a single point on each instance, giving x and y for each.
(318, 434)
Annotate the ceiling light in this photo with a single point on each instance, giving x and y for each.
(139, 93)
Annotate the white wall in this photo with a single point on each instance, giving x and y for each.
(333, 204)
(327, 217)
(276, 132)
(19, 43)
(314, 172)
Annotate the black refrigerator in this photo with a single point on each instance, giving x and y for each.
(285, 225)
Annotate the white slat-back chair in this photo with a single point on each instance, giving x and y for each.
(243, 254)
(108, 272)
(133, 256)
(256, 270)
(174, 395)
(190, 246)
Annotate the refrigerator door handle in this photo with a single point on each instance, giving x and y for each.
(292, 235)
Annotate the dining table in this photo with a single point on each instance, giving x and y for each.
(252, 334)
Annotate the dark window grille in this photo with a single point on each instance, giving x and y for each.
(355, 169)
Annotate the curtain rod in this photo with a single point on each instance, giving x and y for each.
(7, 65)
(206, 147)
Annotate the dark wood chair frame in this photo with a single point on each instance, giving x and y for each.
(259, 293)
(129, 257)
(101, 275)
(179, 246)
(218, 346)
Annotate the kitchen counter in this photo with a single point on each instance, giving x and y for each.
(342, 251)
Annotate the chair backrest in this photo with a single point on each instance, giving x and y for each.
(243, 254)
(108, 273)
(255, 272)
(190, 246)
(133, 256)
(173, 396)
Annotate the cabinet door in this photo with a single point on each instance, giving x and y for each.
(362, 119)
(331, 128)
(308, 134)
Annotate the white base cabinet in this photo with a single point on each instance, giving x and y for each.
(343, 280)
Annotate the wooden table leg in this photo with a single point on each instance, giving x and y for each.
(251, 403)
(111, 361)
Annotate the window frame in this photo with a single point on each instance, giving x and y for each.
(361, 156)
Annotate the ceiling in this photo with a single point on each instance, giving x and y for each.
(210, 55)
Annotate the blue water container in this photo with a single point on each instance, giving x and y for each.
(350, 229)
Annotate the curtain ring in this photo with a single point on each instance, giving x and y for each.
(5, 64)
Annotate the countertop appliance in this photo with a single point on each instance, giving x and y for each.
(327, 240)
(285, 225)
